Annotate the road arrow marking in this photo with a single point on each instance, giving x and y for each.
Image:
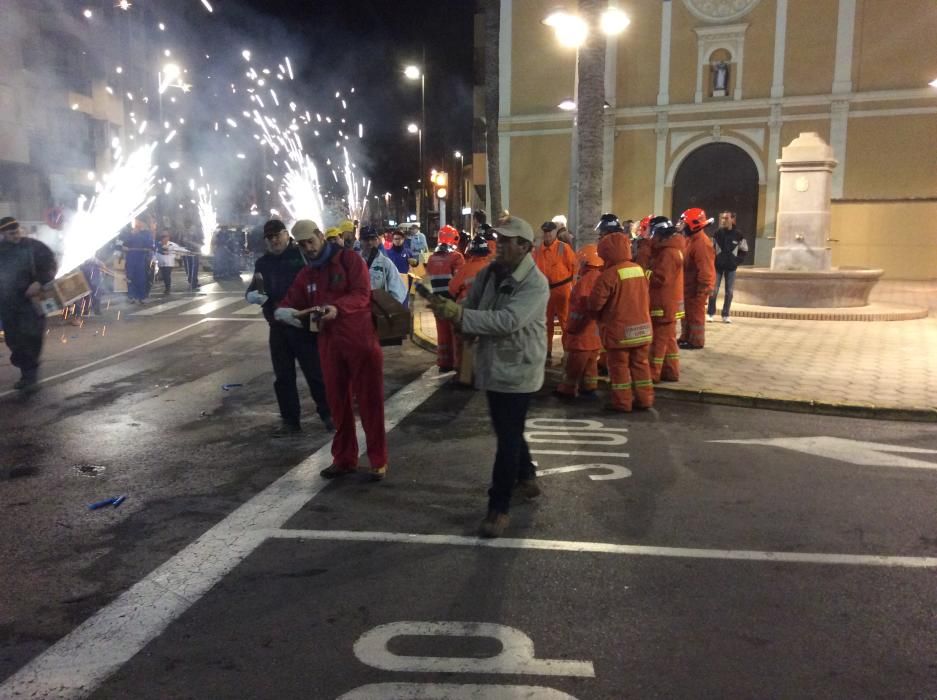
(871, 454)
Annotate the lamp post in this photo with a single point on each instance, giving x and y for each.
(414, 129)
(572, 31)
(457, 201)
(414, 72)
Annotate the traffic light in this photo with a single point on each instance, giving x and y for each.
(441, 183)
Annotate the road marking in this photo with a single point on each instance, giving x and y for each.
(613, 471)
(452, 691)
(251, 310)
(578, 437)
(78, 663)
(565, 424)
(581, 453)
(516, 655)
(153, 310)
(871, 454)
(212, 306)
(114, 356)
(609, 548)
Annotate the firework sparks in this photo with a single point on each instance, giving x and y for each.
(122, 194)
(208, 218)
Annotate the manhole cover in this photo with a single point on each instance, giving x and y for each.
(89, 469)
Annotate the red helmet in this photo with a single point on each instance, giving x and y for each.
(642, 227)
(448, 235)
(696, 219)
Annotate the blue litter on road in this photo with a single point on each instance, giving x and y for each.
(115, 501)
(228, 387)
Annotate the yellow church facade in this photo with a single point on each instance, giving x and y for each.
(703, 94)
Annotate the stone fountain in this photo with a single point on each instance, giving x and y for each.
(801, 273)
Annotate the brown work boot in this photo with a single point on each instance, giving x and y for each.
(527, 488)
(333, 471)
(378, 473)
(493, 525)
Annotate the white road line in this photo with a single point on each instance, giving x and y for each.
(252, 310)
(153, 310)
(581, 453)
(608, 548)
(212, 306)
(78, 663)
(114, 356)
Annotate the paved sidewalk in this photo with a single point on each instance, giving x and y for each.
(876, 368)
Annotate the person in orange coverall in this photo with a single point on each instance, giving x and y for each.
(441, 267)
(581, 342)
(336, 286)
(665, 275)
(477, 258)
(620, 298)
(699, 277)
(557, 261)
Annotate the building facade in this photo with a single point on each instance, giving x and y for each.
(702, 96)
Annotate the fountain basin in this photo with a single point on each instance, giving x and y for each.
(839, 287)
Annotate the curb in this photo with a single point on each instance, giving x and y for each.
(923, 415)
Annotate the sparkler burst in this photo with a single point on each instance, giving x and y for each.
(121, 195)
(208, 217)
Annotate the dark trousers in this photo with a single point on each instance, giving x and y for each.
(727, 302)
(24, 330)
(288, 346)
(190, 263)
(165, 274)
(512, 459)
(137, 274)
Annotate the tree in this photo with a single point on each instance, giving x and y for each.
(590, 105)
(492, 101)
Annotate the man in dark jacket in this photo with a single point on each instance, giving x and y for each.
(274, 272)
(731, 248)
(25, 265)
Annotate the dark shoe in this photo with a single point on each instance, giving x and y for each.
(589, 394)
(443, 370)
(378, 473)
(328, 424)
(286, 430)
(615, 409)
(527, 488)
(640, 407)
(563, 396)
(494, 524)
(333, 471)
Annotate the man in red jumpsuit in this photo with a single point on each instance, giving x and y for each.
(665, 274)
(335, 288)
(620, 299)
(441, 267)
(699, 277)
(557, 261)
(582, 343)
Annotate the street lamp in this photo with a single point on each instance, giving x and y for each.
(572, 31)
(415, 129)
(933, 83)
(413, 72)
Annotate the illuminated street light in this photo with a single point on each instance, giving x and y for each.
(123, 4)
(412, 128)
(933, 83)
(567, 105)
(614, 21)
(88, 14)
(412, 72)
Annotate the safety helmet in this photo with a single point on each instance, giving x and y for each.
(660, 227)
(333, 233)
(695, 219)
(609, 223)
(643, 227)
(478, 247)
(487, 232)
(346, 226)
(448, 235)
(368, 232)
(589, 255)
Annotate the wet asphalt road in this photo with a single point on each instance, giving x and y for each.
(684, 617)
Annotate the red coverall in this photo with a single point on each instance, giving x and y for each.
(666, 278)
(459, 287)
(558, 264)
(352, 362)
(620, 298)
(440, 268)
(699, 279)
(581, 342)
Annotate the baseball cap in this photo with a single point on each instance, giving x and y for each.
(304, 229)
(273, 227)
(514, 227)
(548, 226)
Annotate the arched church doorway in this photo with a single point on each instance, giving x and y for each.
(720, 177)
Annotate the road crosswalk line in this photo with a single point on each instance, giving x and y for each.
(213, 305)
(251, 310)
(166, 306)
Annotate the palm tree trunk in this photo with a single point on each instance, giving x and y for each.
(590, 105)
(492, 100)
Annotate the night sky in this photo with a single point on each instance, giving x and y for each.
(366, 43)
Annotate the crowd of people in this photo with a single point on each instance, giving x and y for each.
(499, 297)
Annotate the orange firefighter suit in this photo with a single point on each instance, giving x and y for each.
(666, 287)
(620, 298)
(558, 264)
(643, 249)
(699, 279)
(582, 342)
(440, 269)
